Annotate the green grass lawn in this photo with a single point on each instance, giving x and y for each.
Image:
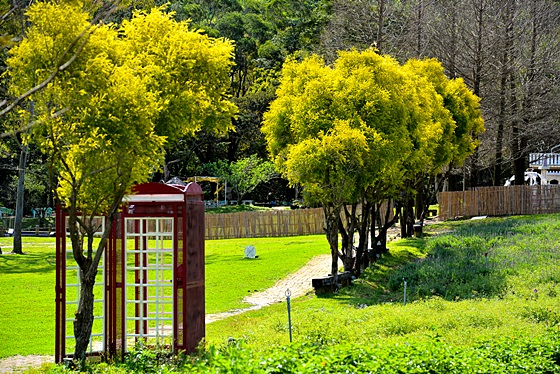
(476, 281)
(475, 289)
(230, 276)
(27, 305)
(27, 311)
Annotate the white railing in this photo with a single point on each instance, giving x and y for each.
(544, 160)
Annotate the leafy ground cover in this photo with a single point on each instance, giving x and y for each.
(504, 355)
(481, 294)
(479, 280)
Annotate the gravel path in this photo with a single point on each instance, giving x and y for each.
(299, 284)
(18, 364)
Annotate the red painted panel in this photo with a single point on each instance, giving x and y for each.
(189, 313)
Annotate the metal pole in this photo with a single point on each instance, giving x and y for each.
(405, 292)
(288, 294)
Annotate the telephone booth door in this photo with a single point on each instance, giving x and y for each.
(149, 244)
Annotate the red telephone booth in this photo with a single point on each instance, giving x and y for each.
(150, 287)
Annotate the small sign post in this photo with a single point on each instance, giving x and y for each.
(288, 294)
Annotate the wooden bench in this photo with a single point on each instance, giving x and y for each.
(326, 285)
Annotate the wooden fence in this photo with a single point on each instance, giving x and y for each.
(499, 201)
(270, 223)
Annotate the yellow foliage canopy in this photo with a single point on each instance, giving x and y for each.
(104, 121)
(367, 124)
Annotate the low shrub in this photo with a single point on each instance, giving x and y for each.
(505, 355)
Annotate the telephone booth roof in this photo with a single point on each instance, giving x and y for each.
(161, 192)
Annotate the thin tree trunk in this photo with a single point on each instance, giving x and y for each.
(419, 30)
(521, 159)
(453, 46)
(347, 233)
(331, 231)
(477, 81)
(88, 263)
(19, 201)
(362, 259)
(501, 117)
(384, 227)
(83, 322)
(380, 21)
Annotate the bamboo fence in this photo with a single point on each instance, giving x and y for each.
(499, 201)
(269, 223)
(272, 223)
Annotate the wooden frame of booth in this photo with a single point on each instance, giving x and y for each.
(183, 208)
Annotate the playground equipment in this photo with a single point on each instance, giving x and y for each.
(150, 286)
(216, 180)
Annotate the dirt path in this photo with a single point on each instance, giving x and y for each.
(299, 283)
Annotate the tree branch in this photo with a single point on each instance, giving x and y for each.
(63, 63)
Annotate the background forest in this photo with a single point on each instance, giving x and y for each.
(507, 52)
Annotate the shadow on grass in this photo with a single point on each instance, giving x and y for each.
(217, 258)
(27, 263)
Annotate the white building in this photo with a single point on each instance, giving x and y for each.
(547, 165)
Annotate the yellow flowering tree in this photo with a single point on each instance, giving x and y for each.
(104, 121)
(341, 132)
(357, 132)
(456, 112)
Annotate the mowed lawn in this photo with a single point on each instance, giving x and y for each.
(27, 297)
(27, 282)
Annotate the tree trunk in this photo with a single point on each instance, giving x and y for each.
(344, 240)
(522, 156)
(362, 258)
(419, 28)
(453, 55)
(83, 321)
(420, 198)
(407, 217)
(501, 118)
(380, 241)
(19, 201)
(373, 220)
(333, 242)
(477, 80)
(348, 236)
(332, 237)
(380, 21)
